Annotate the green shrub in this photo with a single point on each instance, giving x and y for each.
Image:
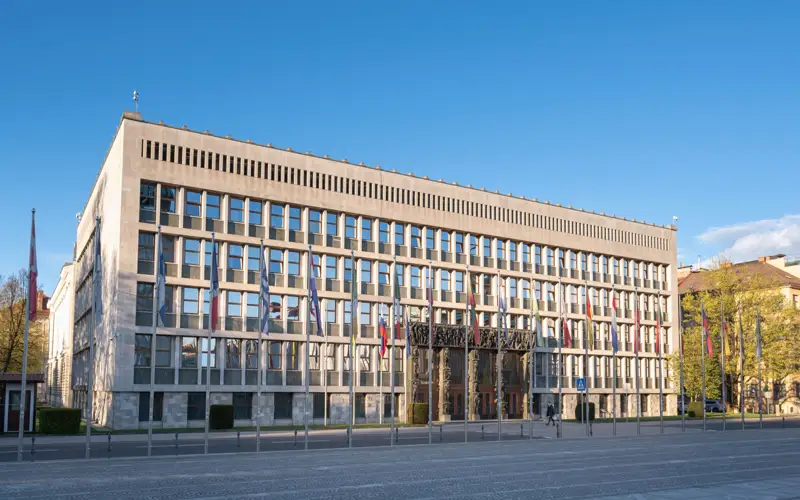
(697, 408)
(59, 420)
(579, 412)
(418, 412)
(691, 413)
(220, 417)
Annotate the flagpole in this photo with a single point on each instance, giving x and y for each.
(703, 360)
(587, 304)
(261, 313)
(758, 360)
(211, 318)
(683, 394)
(660, 367)
(500, 317)
(395, 306)
(24, 380)
(722, 358)
(636, 348)
(560, 333)
(95, 306)
(153, 345)
(352, 345)
(741, 365)
(430, 352)
(308, 346)
(467, 324)
(531, 355)
(614, 333)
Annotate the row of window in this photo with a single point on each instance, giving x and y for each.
(316, 180)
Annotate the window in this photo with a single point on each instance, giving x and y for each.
(252, 305)
(233, 303)
(573, 260)
(348, 269)
(293, 308)
(251, 354)
(501, 254)
(445, 241)
(196, 408)
(366, 229)
(168, 199)
(550, 257)
(416, 237)
(292, 355)
(313, 355)
(487, 246)
(236, 210)
(283, 405)
(330, 311)
(208, 253)
(384, 232)
(233, 354)
(274, 353)
(445, 278)
(242, 405)
(415, 276)
(526, 252)
(144, 406)
(293, 263)
(332, 224)
(208, 357)
(256, 208)
(512, 251)
(295, 219)
(330, 357)
(253, 258)
(399, 234)
(147, 247)
(189, 352)
(144, 297)
(235, 255)
(398, 268)
(430, 239)
(190, 301)
(473, 245)
(276, 261)
(212, 206)
(276, 216)
(383, 273)
(147, 196)
(366, 313)
(315, 221)
(330, 267)
(350, 227)
(141, 354)
(193, 203)
(512, 287)
(366, 271)
(364, 358)
(348, 316)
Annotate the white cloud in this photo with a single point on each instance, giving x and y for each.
(750, 240)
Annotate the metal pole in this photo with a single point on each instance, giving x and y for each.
(660, 367)
(741, 366)
(467, 324)
(261, 313)
(430, 352)
(683, 395)
(95, 306)
(153, 347)
(396, 306)
(703, 366)
(352, 346)
(758, 360)
(586, 358)
(531, 367)
(637, 346)
(307, 373)
(614, 369)
(214, 262)
(722, 359)
(560, 336)
(498, 361)
(22, 396)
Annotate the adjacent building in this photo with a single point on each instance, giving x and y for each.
(59, 358)
(385, 227)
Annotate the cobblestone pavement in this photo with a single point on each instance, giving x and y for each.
(744, 464)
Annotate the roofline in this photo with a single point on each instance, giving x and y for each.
(129, 115)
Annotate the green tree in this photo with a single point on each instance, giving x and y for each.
(13, 298)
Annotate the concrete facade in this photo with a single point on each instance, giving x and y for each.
(59, 358)
(194, 183)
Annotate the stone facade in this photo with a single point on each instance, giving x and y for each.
(298, 400)
(339, 412)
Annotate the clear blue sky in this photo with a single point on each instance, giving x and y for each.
(633, 108)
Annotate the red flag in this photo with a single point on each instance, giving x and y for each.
(33, 272)
(567, 336)
(384, 336)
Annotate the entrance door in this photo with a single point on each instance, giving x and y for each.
(12, 420)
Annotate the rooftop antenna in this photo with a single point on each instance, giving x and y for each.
(675, 220)
(136, 99)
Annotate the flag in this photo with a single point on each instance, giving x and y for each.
(589, 324)
(473, 316)
(384, 336)
(214, 291)
(538, 323)
(264, 295)
(705, 332)
(353, 308)
(315, 312)
(161, 283)
(658, 329)
(33, 272)
(408, 336)
(758, 336)
(636, 327)
(503, 310)
(97, 275)
(725, 339)
(614, 330)
(396, 304)
(566, 338)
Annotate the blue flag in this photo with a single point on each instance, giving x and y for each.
(314, 297)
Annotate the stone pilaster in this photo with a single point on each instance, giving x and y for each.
(473, 384)
(445, 410)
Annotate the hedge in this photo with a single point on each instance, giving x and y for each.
(579, 412)
(696, 407)
(59, 420)
(418, 412)
(220, 417)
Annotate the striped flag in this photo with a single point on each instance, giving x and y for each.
(614, 329)
(384, 336)
(396, 304)
(264, 294)
(33, 273)
(589, 323)
(566, 338)
(706, 334)
(214, 291)
(312, 280)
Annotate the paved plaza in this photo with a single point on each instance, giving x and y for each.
(743, 464)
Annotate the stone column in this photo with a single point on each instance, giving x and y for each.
(473, 384)
(444, 385)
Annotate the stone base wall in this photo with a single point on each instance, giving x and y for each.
(339, 411)
(297, 408)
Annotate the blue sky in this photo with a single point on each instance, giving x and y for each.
(641, 109)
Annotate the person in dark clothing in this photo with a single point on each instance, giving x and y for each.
(551, 412)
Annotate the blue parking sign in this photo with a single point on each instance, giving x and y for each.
(581, 384)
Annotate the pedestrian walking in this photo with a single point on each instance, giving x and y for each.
(551, 412)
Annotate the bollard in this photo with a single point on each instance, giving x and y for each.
(33, 445)
(481, 431)
(396, 434)
(295, 437)
(783, 422)
(591, 429)
(176, 443)
(238, 435)
(109, 445)
(441, 433)
(520, 431)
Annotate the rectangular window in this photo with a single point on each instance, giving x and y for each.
(242, 405)
(256, 208)
(350, 227)
(399, 274)
(144, 406)
(384, 232)
(144, 297)
(295, 219)
(445, 241)
(330, 311)
(253, 258)
(168, 199)
(191, 304)
(193, 203)
(191, 252)
(416, 237)
(147, 196)
(315, 221)
(236, 211)
(399, 234)
(415, 277)
(366, 229)
(330, 267)
(212, 206)
(293, 308)
(348, 269)
(430, 239)
(276, 216)
(294, 263)
(274, 360)
(235, 256)
(233, 354)
(208, 357)
(332, 224)
(147, 242)
(459, 243)
(366, 271)
(276, 261)
(196, 407)
(366, 314)
(141, 353)
(445, 279)
(383, 273)
(189, 352)
(233, 304)
(292, 355)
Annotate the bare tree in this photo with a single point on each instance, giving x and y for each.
(13, 298)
